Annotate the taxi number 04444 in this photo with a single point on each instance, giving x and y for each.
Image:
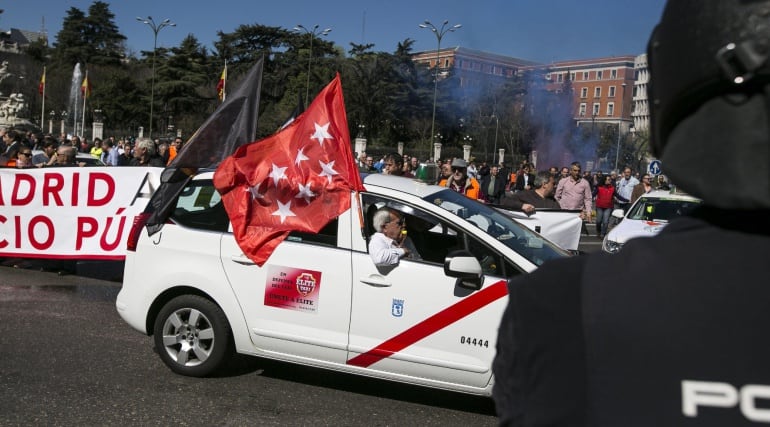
(474, 341)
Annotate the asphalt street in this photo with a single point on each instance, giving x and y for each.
(68, 359)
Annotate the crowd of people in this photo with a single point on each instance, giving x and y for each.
(23, 150)
(593, 193)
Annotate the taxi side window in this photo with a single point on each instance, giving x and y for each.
(199, 206)
(432, 237)
(492, 263)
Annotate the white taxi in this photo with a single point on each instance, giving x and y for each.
(320, 300)
(648, 215)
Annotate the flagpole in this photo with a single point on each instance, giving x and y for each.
(42, 110)
(85, 95)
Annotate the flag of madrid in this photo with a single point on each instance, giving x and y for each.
(297, 179)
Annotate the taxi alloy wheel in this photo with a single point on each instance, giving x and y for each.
(192, 336)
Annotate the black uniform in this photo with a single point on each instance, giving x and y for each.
(670, 331)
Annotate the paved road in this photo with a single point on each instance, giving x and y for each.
(66, 358)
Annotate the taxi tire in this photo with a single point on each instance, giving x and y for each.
(204, 344)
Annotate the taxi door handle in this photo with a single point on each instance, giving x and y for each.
(241, 259)
(377, 281)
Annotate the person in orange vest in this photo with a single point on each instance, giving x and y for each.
(174, 148)
(459, 180)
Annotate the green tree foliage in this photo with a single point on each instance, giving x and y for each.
(89, 39)
(387, 94)
(183, 84)
(105, 42)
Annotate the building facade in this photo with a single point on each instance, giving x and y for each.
(640, 113)
(14, 40)
(603, 89)
(471, 66)
(610, 90)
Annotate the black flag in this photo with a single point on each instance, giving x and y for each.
(233, 124)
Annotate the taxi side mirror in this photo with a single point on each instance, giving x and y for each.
(466, 268)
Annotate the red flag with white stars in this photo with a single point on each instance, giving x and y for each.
(297, 179)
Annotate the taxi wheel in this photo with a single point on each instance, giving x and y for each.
(192, 336)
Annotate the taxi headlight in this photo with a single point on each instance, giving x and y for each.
(611, 246)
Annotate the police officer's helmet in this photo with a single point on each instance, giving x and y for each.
(704, 49)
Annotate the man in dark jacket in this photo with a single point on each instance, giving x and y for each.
(492, 186)
(671, 330)
(540, 196)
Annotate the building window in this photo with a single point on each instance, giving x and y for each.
(614, 73)
(559, 78)
(572, 76)
(611, 93)
(585, 75)
(599, 75)
(582, 111)
(446, 63)
(597, 92)
(610, 109)
(597, 107)
(583, 92)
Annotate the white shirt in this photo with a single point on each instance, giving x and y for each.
(626, 187)
(385, 251)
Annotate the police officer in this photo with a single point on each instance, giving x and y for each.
(673, 329)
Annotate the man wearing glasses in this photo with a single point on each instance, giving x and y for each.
(574, 192)
(24, 159)
(390, 243)
(459, 180)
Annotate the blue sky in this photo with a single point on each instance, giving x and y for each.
(542, 31)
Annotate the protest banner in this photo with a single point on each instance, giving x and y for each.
(71, 212)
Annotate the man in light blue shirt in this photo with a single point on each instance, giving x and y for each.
(110, 156)
(625, 187)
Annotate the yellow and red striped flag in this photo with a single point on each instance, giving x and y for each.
(221, 85)
(85, 88)
(41, 86)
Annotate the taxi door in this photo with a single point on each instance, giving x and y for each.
(297, 304)
(412, 320)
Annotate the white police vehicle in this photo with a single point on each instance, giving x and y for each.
(319, 300)
(648, 215)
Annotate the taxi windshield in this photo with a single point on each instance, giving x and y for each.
(522, 240)
(661, 210)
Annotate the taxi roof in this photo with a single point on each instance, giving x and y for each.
(670, 195)
(397, 183)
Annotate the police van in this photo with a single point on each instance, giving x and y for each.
(320, 300)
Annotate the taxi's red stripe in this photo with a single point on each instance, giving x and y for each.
(438, 321)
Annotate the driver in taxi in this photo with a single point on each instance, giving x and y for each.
(390, 243)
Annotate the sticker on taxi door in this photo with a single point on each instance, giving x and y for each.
(292, 288)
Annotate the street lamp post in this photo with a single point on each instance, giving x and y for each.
(622, 101)
(497, 127)
(155, 30)
(439, 32)
(314, 32)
